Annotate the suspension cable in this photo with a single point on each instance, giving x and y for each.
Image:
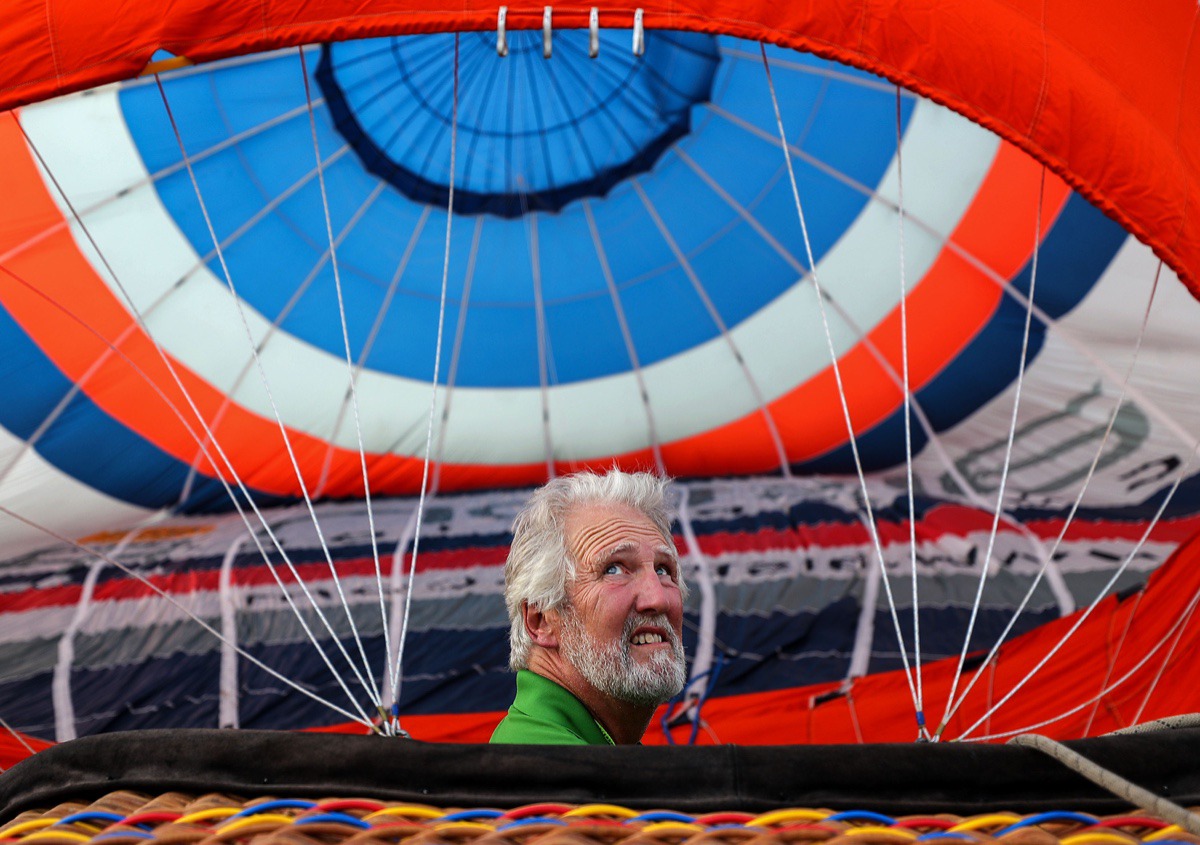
(369, 688)
(353, 380)
(210, 437)
(192, 616)
(906, 390)
(452, 371)
(952, 705)
(985, 563)
(922, 731)
(394, 718)
(1095, 603)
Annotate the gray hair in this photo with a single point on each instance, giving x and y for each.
(540, 567)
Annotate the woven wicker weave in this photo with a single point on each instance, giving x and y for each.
(128, 818)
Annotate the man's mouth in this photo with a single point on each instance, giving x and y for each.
(646, 638)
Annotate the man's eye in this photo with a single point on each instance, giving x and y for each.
(663, 569)
(612, 569)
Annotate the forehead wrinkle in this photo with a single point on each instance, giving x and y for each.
(612, 522)
(616, 549)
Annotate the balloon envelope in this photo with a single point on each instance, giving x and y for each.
(260, 247)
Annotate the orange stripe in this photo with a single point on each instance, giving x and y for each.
(996, 229)
(68, 284)
(946, 310)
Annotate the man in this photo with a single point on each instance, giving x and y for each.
(595, 599)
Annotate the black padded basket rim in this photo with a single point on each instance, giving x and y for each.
(958, 778)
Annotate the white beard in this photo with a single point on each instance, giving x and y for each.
(611, 669)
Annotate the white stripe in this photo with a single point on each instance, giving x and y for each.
(706, 635)
(227, 708)
(60, 685)
(37, 489)
(864, 631)
(1107, 321)
(198, 323)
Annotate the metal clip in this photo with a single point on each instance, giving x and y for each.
(639, 34)
(546, 32)
(594, 33)
(501, 35)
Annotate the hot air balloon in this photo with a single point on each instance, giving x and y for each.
(299, 301)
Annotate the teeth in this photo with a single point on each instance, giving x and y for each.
(645, 639)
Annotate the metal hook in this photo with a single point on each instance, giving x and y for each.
(546, 32)
(639, 34)
(594, 33)
(501, 36)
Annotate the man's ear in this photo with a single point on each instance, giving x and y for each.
(542, 627)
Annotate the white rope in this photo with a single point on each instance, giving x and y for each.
(452, 373)
(193, 617)
(175, 410)
(1100, 695)
(1055, 579)
(837, 374)
(394, 720)
(369, 688)
(1167, 723)
(952, 705)
(229, 491)
(706, 632)
(1095, 603)
(356, 368)
(714, 315)
(151, 178)
(297, 294)
(368, 345)
(352, 376)
(295, 297)
(77, 214)
(17, 735)
(906, 390)
(985, 563)
(399, 597)
(1145, 402)
(1112, 782)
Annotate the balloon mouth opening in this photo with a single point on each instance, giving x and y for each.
(523, 143)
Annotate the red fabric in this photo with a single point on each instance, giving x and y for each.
(14, 747)
(1148, 637)
(1110, 100)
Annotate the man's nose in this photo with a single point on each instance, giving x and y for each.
(653, 596)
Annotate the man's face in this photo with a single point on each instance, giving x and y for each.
(623, 624)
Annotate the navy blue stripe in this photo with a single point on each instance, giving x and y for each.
(467, 671)
(1074, 255)
(85, 442)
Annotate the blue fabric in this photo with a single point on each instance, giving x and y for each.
(500, 346)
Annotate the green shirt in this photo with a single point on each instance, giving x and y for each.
(546, 714)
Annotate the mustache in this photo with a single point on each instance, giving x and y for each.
(658, 620)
